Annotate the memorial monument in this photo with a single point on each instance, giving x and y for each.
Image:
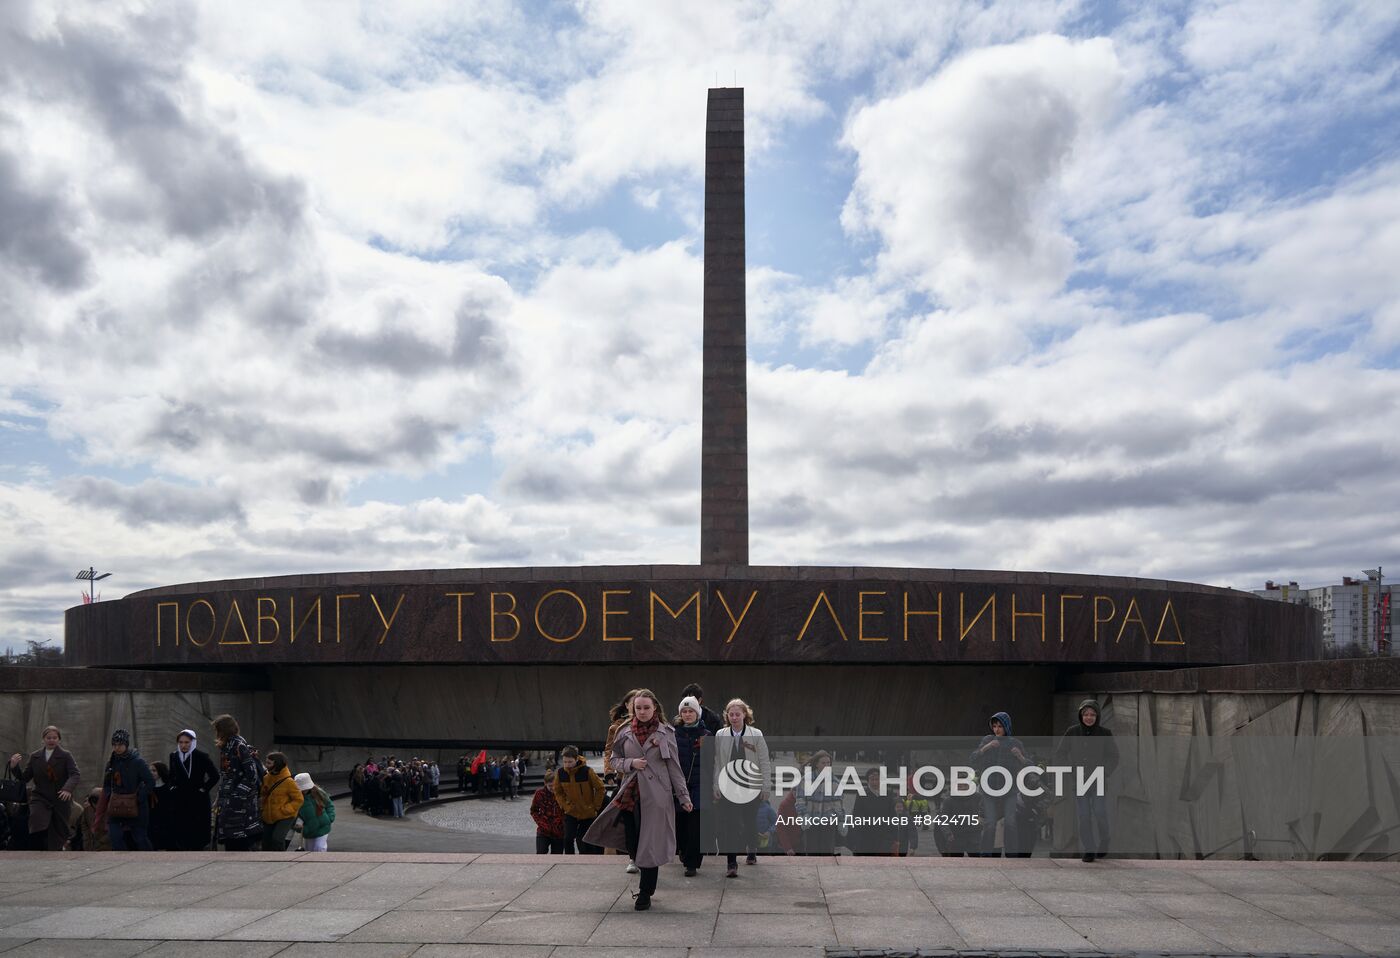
(535, 655)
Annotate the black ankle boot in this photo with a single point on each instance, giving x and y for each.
(642, 903)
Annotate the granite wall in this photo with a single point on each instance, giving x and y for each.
(87, 704)
(454, 706)
(1284, 761)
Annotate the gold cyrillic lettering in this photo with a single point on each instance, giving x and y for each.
(860, 619)
(269, 618)
(729, 612)
(1112, 611)
(821, 598)
(509, 614)
(581, 607)
(389, 622)
(1063, 597)
(213, 621)
(233, 610)
(1132, 615)
(936, 612)
(607, 612)
(295, 627)
(965, 627)
(656, 600)
(343, 595)
(1180, 639)
(460, 596)
(1028, 615)
(176, 607)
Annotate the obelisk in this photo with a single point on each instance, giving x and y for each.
(724, 419)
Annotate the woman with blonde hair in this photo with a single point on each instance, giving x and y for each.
(317, 813)
(642, 816)
(740, 742)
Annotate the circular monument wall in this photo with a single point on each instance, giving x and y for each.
(689, 614)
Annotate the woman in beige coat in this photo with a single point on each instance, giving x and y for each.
(642, 816)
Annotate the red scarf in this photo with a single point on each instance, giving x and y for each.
(641, 731)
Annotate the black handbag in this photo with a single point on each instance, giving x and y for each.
(11, 788)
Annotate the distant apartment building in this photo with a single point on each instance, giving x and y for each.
(1356, 615)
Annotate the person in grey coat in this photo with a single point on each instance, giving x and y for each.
(642, 815)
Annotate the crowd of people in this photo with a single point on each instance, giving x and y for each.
(234, 799)
(646, 803)
(389, 785)
(492, 775)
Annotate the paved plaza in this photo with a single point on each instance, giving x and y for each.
(340, 905)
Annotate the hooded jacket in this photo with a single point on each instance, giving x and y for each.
(711, 719)
(579, 791)
(1002, 756)
(1088, 746)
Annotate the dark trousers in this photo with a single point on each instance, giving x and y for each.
(139, 828)
(632, 829)
(274, 837)
(574, 830)
(1010, 833)
(1092, 813)
(244, 844)
(738, 828)
(544, 845)
(688, 836)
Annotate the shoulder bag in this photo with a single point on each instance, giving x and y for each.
(11, 788)
(122, 805)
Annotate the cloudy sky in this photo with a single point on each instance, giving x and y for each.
(326, 286)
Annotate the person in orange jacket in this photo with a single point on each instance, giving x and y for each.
(280, 802)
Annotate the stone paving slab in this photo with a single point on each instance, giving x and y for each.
(427, 926)
(78, 948)
(427, 905)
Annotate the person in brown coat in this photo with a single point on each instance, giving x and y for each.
(55, 776)
(579, 792)
(92, 824)
(642, 816)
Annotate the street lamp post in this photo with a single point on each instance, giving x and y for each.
(91, 577)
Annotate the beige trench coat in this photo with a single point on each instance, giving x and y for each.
(661, 782)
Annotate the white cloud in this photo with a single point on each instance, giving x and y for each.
(959, 176)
